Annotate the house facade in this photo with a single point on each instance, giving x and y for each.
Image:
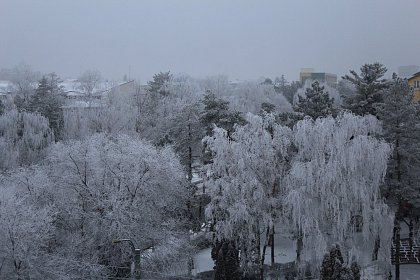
(414, 83)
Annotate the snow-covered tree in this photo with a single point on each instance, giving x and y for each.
(89, 81)
(156, 114)
(247, 97)
(401, 120)
(116, 113)
(216, 112)
(62, 215)
(314, 99)
(369, 85)
(24, 231)
(185, 135)
(346, 89)
(160, 83)
(116, 187)
(218, 85)
(24, 80)
(31, 241)
(334, 181)
(281, 85)
(24, 138)
(245, 184)
(26, 225)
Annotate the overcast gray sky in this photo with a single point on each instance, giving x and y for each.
(242, 39)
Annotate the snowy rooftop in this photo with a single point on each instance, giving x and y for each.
(82, 104)
(74, 94)
(415, 75)
(69, 85)
(72, 87)
(4, 86)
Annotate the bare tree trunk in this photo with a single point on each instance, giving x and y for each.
(258, 240)
(411, 235)
(397, 218)
(397, 247)
(272, 246)
(299, 246)
(190, 160)
(376, 248)
(267, 236)
(190, 164)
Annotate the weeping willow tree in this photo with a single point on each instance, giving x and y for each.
(322, 177)
(333, 185)
(23, 138)
(246, 186)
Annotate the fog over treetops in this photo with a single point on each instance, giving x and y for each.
(241, 39)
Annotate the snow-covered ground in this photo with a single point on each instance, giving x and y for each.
(203, 261)
(408, 272)
(285, 251)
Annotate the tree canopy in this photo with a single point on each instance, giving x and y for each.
(369, 85)
(316, 103)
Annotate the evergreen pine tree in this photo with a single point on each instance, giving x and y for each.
(369, 86)
(400, 115)
(186, 134)
(232, 261)
(316, 102)
(216, 112)
(226, 259)
(47, 102)
(160, 82)
(334, 268)
(355, 269)
(401, 122)
(2, 108)
(267, 108)
(326, 268)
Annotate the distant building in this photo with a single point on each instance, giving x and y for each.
(5, 87)
(310, 74)
(5, 90)
(407, 71)
(414, 83)
(76, 99)
(126, 87)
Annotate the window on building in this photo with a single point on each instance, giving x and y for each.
(416, 84)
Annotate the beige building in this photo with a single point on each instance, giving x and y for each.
(414, 83)
(127, 87)
(310, 74)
